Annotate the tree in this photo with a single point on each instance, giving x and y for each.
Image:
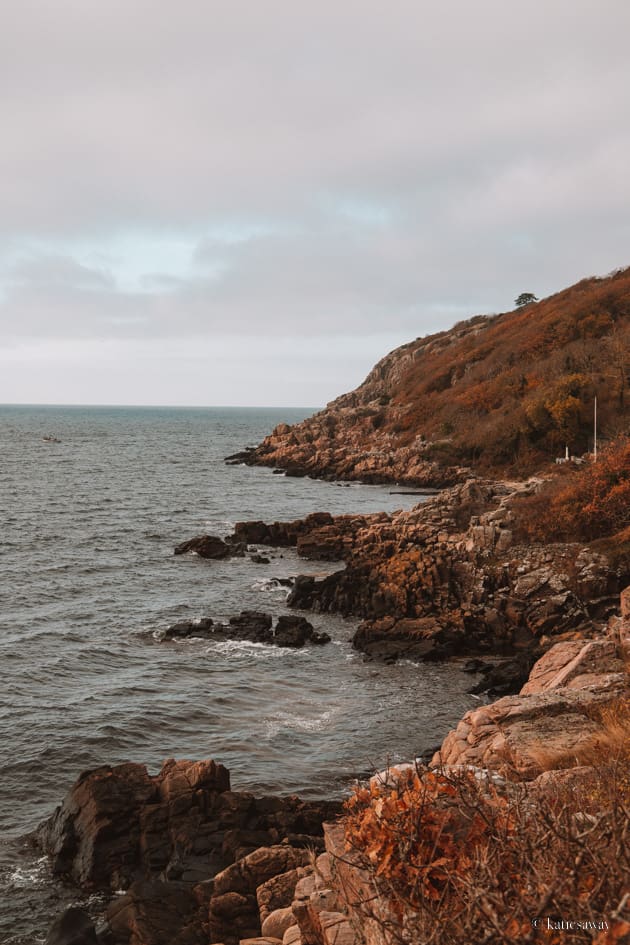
(525, 298)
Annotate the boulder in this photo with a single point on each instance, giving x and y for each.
(518, 733)
(157, 913)
(277, 922)
(233, 912)
(277, 892)
(118, 824)
(201, 627)
(73, 927)
(296, 631)
(208, 546)
(573, 663)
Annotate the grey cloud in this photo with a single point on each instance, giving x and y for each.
(49, 272)
(337, 168)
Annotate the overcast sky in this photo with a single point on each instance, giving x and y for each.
(230, 202)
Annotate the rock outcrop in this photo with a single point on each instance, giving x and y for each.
(73, 927)
(449, 578)
(486, 393)
(169, 840)
(210, 546)
(251, 625)
(554, 716)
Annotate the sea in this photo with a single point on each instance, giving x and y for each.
(93, 501)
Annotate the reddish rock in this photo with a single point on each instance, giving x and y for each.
(118, 824)
(518, 733)
(277, 892)
(242, 880)
(277, 922)
(575, 664)
(74, 927)
(157, 913)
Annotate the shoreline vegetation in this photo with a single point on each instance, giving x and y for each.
(519, 827)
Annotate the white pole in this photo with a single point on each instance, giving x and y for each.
(595, 431)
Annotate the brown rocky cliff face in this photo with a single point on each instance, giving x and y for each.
(347, 439)
(485, 394)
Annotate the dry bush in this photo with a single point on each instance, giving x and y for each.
(606, 753)
(587, 503)
(457, 861)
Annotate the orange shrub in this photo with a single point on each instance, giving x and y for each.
(453, 860)
(593, 503)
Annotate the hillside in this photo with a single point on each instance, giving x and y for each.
(500, 394)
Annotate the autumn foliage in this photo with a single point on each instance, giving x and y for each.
(582, 503)
(452, 859)
(512, 390)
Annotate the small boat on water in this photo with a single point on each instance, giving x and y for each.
(51, 439)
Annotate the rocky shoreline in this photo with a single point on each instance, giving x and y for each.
(203, 864)
(449, 578)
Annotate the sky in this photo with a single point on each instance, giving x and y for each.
(220, 202)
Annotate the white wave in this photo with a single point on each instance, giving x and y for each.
(284, 721)
(244, 647)
(24, 876)
(271, 586)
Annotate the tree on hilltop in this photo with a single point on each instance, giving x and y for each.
(525, 298)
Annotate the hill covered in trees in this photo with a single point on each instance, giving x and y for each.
(497, 393)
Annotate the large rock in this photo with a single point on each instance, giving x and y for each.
(519, 733)
(208, 546)
(119, 824)
(73, 927)
(233, 912)
(157, 913)
(575, 664)
(277, 892)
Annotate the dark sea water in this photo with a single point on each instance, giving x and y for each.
(88, 579)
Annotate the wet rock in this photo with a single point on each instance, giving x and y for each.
(157, 913)
(259, 559)
(391, 639)
(295, 631)
(208, 546)
(189, 628)
(253, 626)
(118, 824)
(74, 927)
(505, 677)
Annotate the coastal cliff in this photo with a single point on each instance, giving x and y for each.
(517, 563)
(497, 394)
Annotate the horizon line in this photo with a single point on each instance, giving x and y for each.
(172, 406)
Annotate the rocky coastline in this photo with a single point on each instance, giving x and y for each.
(199, 863)
(195, 863)
(472, 414)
